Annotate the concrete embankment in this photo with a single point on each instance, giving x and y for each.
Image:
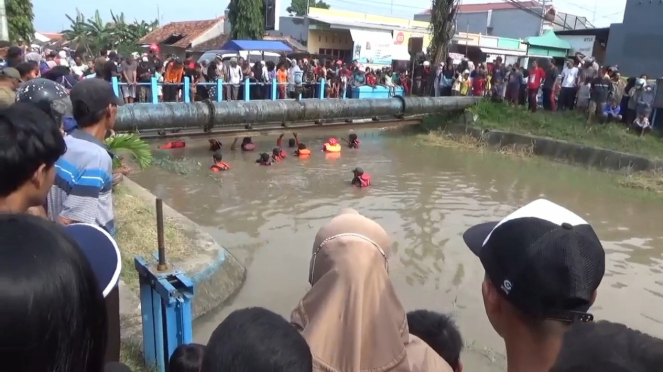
(216, 273)
(573, 153)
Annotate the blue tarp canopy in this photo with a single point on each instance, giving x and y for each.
(262, 45)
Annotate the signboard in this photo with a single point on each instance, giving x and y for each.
(372, 47)
(271, 12)
(580, 43)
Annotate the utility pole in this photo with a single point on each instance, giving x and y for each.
(543, 15)
(4, 29)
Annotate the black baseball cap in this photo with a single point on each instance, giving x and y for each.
(544, 259)
(92, 95)
(101, 251)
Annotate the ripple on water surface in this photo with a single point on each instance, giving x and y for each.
(424, 198)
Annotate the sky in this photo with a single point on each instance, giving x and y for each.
(47, 19)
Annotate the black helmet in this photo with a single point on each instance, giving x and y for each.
(47, 95)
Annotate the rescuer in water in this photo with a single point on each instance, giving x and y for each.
(218, 165)
(214, 145)
(353, 141)
(278, 154)
(361, 179)
(302, 151)
(247, 144)
(292, 142)
(331, 145)
(264, 159)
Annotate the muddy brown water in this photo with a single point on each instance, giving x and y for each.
(424, 197)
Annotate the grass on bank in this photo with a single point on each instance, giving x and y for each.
(568, 126)
(137, 234)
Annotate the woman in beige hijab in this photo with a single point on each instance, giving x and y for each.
(351, 317)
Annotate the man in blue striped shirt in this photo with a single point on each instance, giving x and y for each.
(83, 175)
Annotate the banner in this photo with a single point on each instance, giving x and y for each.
(372, 47)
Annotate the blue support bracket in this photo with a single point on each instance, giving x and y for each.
(165, 300)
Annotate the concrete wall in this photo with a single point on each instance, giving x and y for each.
(635, 45)
(294, 27)
(512, 23)
(337, 39)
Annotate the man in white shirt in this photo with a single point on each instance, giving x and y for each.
(567, 94)
(234, 79)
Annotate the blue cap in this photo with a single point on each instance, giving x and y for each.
(101, 251)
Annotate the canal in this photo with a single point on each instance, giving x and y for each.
(424, 197)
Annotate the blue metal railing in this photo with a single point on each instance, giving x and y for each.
(154, 85)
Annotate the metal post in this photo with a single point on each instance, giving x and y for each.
(321, 94)
(219, 90)
(274, 89)
(165, 298)
(161, 249)
(154, 87)
(116, 85)
(247, 90)
(187, 89)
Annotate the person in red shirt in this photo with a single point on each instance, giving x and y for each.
(536, 76)
(360, 178)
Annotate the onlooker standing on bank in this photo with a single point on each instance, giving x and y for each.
(536, 77)
(129, 78)
(547, 89)
(569, 80)
(599, 94)
(543, 264)
(83, 175)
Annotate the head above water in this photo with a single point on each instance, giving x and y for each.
(332, 141)
(264, 158)
(217, 156)
(358, 172)
(352, 136)
(276, 151)
(301, 146)
(246, 140)
(292, 142)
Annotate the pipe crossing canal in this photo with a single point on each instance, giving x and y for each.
(425, 197)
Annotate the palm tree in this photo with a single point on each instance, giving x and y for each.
(78, 31)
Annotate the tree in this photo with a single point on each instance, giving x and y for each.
(298, 7)
(94, 34)
(19, 19)
(442, 24)
(247, 19)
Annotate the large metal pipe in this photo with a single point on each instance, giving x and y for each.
(145, 116)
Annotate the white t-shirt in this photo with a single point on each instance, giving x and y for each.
(235, 74)
(78, 70)
(569, 76)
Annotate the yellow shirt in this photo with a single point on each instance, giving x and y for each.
(464, 87)
(7, 96)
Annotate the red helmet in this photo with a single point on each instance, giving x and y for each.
(332, 141)
(154, 47)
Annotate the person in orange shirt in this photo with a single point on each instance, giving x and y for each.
(218, 165)
(282, 80)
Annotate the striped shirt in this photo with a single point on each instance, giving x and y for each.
(83, 183)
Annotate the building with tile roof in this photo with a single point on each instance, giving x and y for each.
(179, 37)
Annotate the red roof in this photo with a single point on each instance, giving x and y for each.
(190, 30)
(468, 8)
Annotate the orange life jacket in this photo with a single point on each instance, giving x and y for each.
(219, 166)
(174, 74)
(303, 153)
(331, 148)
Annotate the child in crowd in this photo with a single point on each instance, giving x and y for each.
(218, 165)
(187, 358)
(641, 124)
(582, 97)
(264, 159)
(611, 112)
(360, 178)
(465, 84)
(440, 333)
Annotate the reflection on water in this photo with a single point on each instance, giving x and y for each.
(424, 197)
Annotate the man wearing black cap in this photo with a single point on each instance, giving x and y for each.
(543, 264)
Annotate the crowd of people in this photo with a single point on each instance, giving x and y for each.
(60, 264)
